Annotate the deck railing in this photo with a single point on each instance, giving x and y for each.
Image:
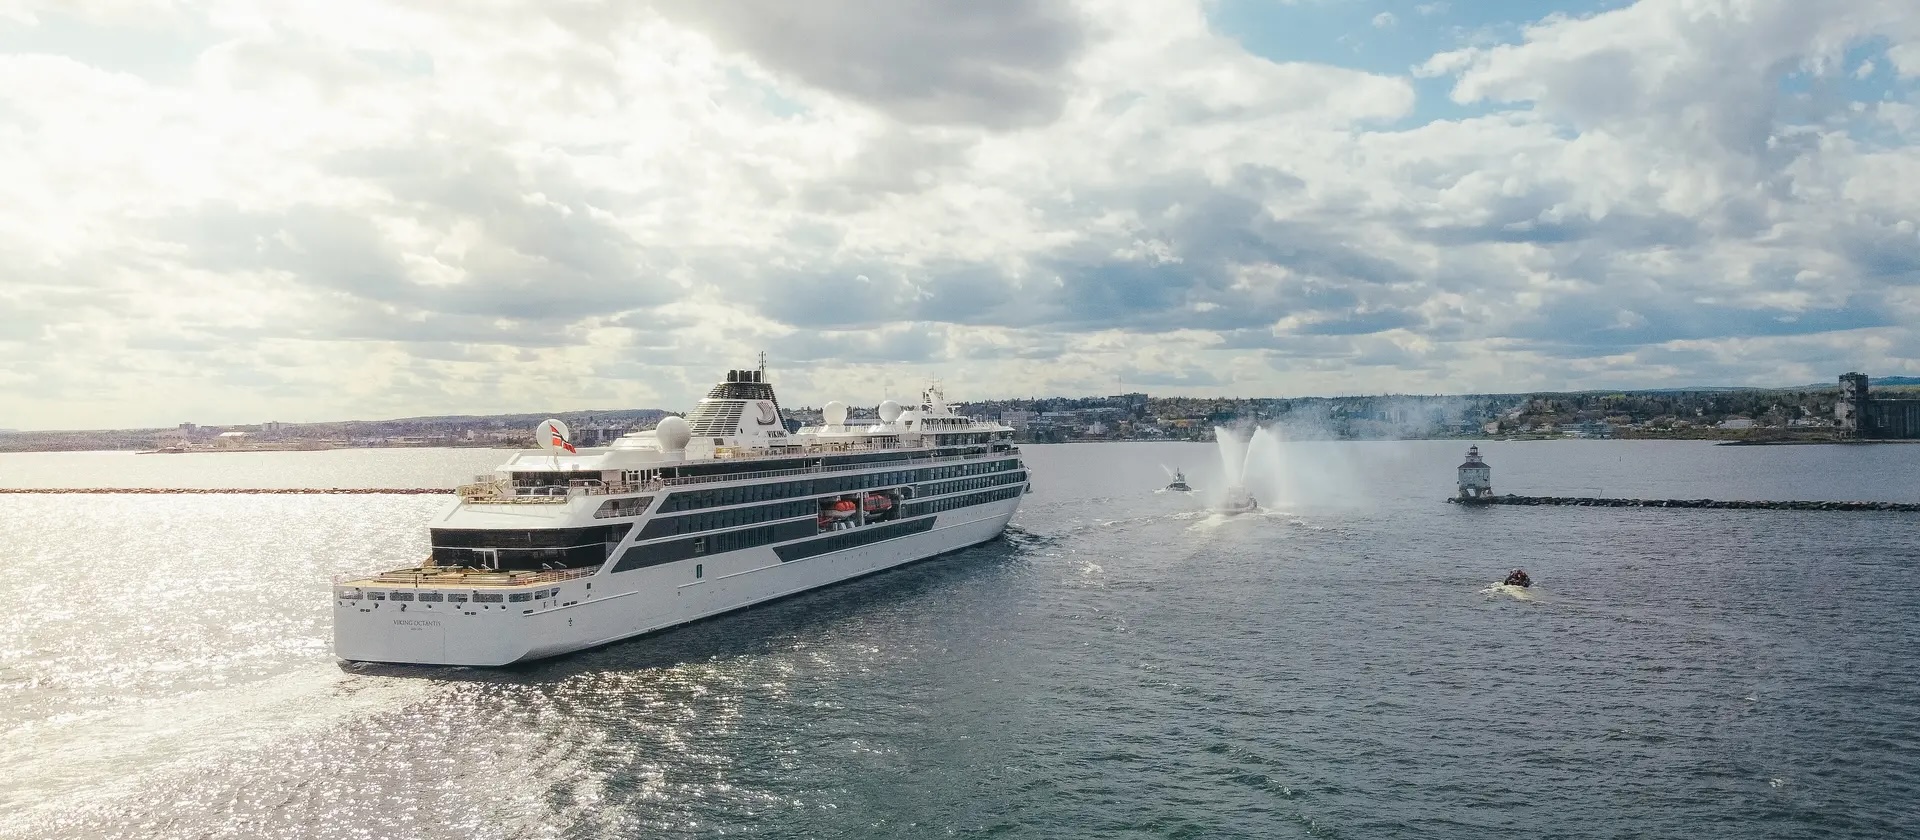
(459, 576)
(503, 491)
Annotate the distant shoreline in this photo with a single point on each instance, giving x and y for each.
(1506, 439)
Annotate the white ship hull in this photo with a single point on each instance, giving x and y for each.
(600, 608)
(567, 548)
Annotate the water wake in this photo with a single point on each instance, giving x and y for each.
(1496, 591)
(1209, 519)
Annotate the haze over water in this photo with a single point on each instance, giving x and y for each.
(1122, 665)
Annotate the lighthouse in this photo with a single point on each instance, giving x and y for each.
(1476, 478)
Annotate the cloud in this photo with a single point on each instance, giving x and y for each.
(1384, 20)
(1702, 75)
(941, 62)
(230, 213)
(1906, 59)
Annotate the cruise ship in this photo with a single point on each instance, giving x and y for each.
(566, 547)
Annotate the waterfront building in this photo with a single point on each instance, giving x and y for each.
(1860, 415)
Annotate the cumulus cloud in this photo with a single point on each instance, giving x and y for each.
(1703, 73)
(959, 62)
(1906, 59)
(229, 212)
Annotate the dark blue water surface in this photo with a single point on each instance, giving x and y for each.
(1122, 665)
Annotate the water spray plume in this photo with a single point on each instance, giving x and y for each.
(1233, 455)
(1252, 467)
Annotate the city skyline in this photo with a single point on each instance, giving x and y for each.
(1903, 386)
(230, 213)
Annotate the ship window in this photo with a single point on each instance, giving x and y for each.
(540, 596)
(432, 596)
(349, 595)
(457, 598)
(699, 571)
(376, 596)
(518, 597)
(402, 596)
(487, 597)
(700, 545)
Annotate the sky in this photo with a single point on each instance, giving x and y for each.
(236, 211)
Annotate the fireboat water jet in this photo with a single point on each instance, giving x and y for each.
(1238, 459)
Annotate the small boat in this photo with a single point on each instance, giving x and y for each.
(1179, 482)
(1518, 577)
(1238, 501)
(164, 450)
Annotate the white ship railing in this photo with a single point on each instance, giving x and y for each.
(461, 576)
(503, 491)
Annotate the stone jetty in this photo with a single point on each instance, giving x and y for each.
(1715, 504)
(250, 491)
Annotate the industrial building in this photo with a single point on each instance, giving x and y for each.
(1862, 416)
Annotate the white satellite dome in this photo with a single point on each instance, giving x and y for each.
(890, 411)
(834, 412)
(673, 434)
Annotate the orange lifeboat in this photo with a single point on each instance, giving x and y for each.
(875, 504)
(842, 509)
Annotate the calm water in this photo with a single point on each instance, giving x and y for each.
(1120, 666)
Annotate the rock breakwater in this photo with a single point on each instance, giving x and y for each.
(1715, 504)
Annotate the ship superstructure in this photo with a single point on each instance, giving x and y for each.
(567, 548)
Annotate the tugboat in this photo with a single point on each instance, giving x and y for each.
(1179, 482)
(1238, 501)
(1518, 577)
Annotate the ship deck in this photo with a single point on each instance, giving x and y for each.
(502, 490)
(463, 577)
